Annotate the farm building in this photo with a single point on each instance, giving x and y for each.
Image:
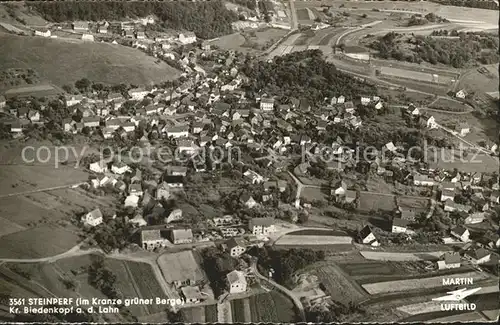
(461, 233)
(237, 282)
(367, 237)
(261, 226)
(479, 255)
(399, 225)
(192, 294)
(181, 236)
(449, 261)
(80, 26)
(235, 246)
(187, 38)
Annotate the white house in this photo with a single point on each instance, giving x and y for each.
(261, 226)
(88, 37)
(461, 94)
(235, 247)
(98, 167)
(431, 123)
(367, 237)
(93, 218)
(340, 99)
(461, 233)
(365, 101)
(476, 217)
(46, 33)
(119, 168)
(449, 261)
(254, 177)
(132, 201)
(237, 282)
(463, 129)
(187, 38)
(137, 93)
(73, 100)
(267, 104)
(423, 180)
(479, 256)
(399, 225)
(447, 194)
(178, 131)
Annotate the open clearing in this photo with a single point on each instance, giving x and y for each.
(313, 240)
(372, 201)
(415, 284)
(480, 163)
(487, 301)
(99, 62)
(180, 266)
(449, 105)
(17, 179)
(27, 243)
(397, 256)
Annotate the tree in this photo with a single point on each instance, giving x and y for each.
(83, 84)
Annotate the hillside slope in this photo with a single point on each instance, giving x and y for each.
(62, 62)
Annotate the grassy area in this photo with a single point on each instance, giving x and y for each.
(99, 62)
(271, 307)
(238, 310)
(211, 314)
(487, 301)
(445, 104)
(26, 244)
(193, 314)
(338, 284)
(373, 201)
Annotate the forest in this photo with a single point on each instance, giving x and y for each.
(303, 75)
(206, 19)
(466, 50)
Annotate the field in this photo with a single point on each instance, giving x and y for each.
(372, 201)
(26, 244)
(484, 79)
(211, 313)
(99, 62)
(249, 41)
(397, 256)
(43, 90)
(415, 284)
(472, 163)
(419, 205)
(317, 232)
(336, 283)
(238, 310)
(487, 301)
(193, 314)
(17, 179)
(414, 75)
(313, 240)
(449, 105)
(271, 307)
(312, 193)
(180, 266)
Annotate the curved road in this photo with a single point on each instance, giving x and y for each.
(296, 301)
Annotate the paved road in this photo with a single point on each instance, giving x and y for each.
(281, 288)
(75, 251)
(293, 15)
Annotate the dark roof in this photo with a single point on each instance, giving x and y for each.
(451, 258)
(173, 179)
(363, 233)
(400, 222)
(479, 253)
(459, 230)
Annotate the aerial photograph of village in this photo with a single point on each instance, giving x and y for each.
(249, 161)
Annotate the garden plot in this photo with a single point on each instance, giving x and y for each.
(397, 256)
(313, 240)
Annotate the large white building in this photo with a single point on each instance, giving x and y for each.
(93, 218)
(237, 282)
(262, 226)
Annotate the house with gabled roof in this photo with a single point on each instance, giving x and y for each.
(449, 261)
(367, 237)
(237, 282)
(478, 255)
(461, 233)
(93, 218)
(262, 226)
